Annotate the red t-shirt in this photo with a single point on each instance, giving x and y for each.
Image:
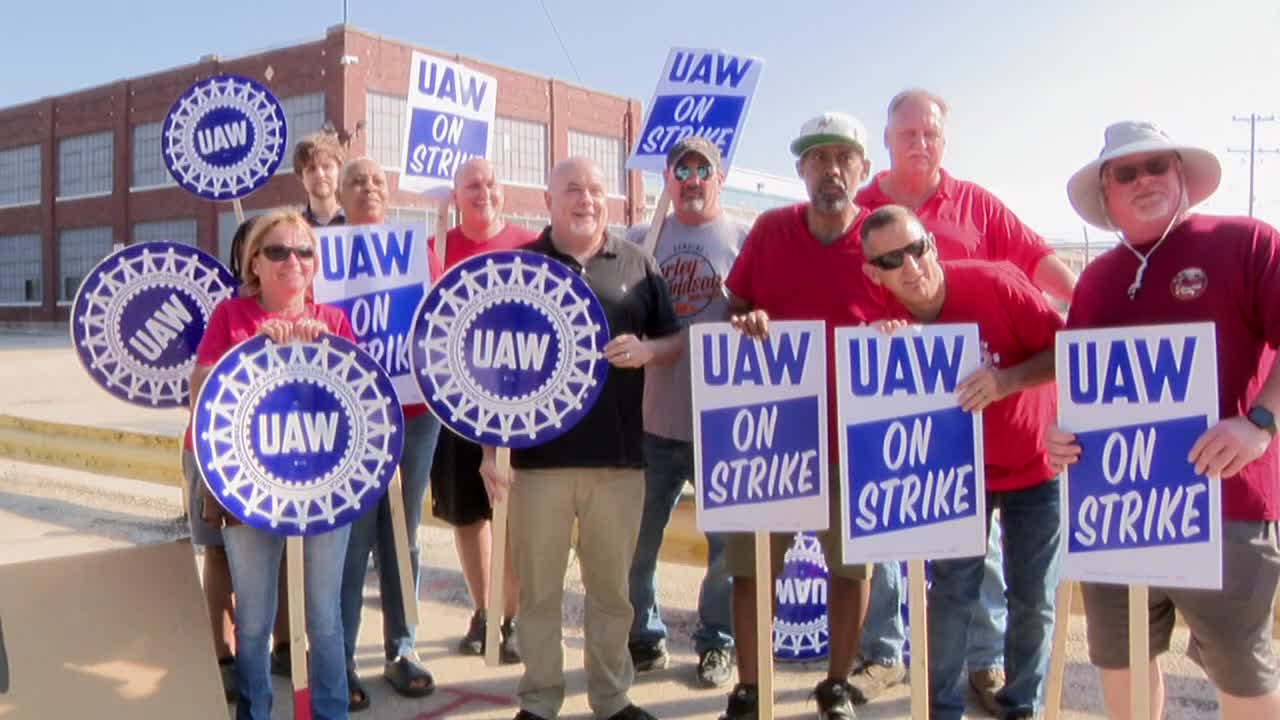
(459, 247)
(969, 223)
(1224, 270)
(785, 271)
(1014, 322)
(236, 319)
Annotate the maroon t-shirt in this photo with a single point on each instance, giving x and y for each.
(1224, 270)
(785, 271)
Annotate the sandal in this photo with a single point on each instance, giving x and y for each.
(408, 678)
(227, 667)
(358, 696)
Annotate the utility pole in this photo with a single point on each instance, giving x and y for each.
(1253, 119)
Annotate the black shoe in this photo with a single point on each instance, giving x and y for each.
(715, 667)
(509, 651)
(282, 661)
(833, 696)
(526, 715)
(227, 668)
(473, 642)
(647, 656)
(744, 703)
(632, 712)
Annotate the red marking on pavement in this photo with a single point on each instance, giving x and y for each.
(464, 697)
(302, 704)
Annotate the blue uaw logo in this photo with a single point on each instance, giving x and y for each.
(139, 316)
(800, 629)
(298, 439)
(224, 137)
(508, 348)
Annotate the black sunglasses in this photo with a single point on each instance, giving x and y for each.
(682, 172)
(1155, 167)
(280, 253)
(893, 259)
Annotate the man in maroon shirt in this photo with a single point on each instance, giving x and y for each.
(1014, 391)
(1175, 266)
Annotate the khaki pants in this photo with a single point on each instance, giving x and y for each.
(607, 503)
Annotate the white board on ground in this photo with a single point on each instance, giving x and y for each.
(448, 120)
(1134, 509)
(759, 429)
(911, 459)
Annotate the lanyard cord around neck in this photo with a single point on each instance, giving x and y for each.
(1144, 258)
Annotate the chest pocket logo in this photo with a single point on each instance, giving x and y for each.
(1189, 284)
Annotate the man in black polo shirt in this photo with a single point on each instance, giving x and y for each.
(593, 471)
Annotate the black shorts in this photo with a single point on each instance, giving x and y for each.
(457, 491)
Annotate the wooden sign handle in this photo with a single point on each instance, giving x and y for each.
(497, 567)
(395, 495)
(655, 226)
(1058, 653)
(764, 624)
(298, 629)
(239, 209)
(1139, 654)
(918, 611)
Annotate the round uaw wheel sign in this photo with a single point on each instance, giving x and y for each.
(800, 624)
(224, 137)
(508, 348)
(297, 439)
(138, 318)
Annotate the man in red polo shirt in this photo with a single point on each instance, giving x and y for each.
(804, 262)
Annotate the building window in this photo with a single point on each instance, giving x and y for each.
(384, 129)
(304, 114)
(20, 176)
(175, 231)
(607, 153)
(520, 151)
(227, 229)
(424, 215)
(20, 273)
(148, 158)
(78, 251)
(84, 165)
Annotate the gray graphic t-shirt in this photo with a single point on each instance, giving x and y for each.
(694, 259)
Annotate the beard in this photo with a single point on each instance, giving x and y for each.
(694, 203)
(831, 196)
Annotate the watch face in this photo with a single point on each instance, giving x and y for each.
(1263, 418)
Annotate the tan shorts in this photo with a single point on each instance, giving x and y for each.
(740, 549)
(1230, 628)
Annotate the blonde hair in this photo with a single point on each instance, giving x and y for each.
(250, 283)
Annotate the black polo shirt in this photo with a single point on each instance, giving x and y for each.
(339, 218)
(635, 299)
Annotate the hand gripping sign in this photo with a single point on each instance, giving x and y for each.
(508, 349)
(139, 316)
(224, 137)
(297, 439)
(449, 120)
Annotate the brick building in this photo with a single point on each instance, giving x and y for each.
(83, 172)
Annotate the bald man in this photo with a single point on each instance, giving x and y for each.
(593, 472)
(458, 496)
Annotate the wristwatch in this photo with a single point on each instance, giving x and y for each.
(1263, 418)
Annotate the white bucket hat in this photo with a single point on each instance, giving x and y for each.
(1201, 170)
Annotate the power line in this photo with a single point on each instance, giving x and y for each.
(551, 21)
(1253, 119)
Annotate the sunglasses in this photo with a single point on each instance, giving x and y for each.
(682, 172)
(893, 259)
(280, 253)
(1155, 167)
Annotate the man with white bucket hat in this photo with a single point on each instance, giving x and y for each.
(1174, 266)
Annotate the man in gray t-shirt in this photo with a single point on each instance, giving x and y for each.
(695, 249)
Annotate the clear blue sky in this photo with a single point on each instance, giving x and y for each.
(1031, 84)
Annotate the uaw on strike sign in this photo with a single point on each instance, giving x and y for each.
(700, 92)
(1135, 511)
(449, 121)
(913, 458)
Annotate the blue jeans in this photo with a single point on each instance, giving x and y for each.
(1032, 530)
(669, 464)
(373, 530)
(254, 556)
(883, 635)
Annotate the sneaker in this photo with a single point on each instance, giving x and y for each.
(986, 683)
(871, 679)
(715, 667)
(509, 651)
(632, 712)
(648, 656)
(744, 703)
(832, 695)
(473, 642)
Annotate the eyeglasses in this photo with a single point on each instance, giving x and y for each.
(893, 259)
(1155, 167)
(682, 172)
(280, 253)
